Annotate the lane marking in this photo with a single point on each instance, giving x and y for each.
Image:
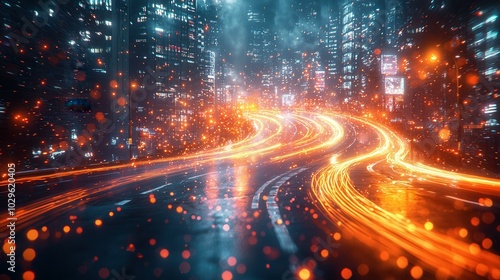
(256, 197)
(123, 202)
(279, 226)
(155, 189)
(198, 176)
(53, 183)
(464, 200)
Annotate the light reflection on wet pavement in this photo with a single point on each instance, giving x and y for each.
(365, 215)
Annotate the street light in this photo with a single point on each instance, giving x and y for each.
(434, 57)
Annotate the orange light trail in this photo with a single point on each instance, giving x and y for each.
(264, 144)
(374, 226)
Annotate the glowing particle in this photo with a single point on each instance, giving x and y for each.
(416, 272)
(226, 227)
(131, 248)
(402, 262)
(79, 230)
(384, 256)
(304, 274)
(32, 234)
(28, 275)
(164, 253)
(267, 250)
(184, 267)
(241, 269)
(346, 273)
(495, 273)
(44, 229)
(463, 232)
(178, 209)
(324, 253)
(111, 214)
(337, 236)
(488, 202)
(252, 240)
(157, 272)
(6, 246)
(98, 222)
(474, 221)
(474, 249)
(29, 254)
(227, 275)
(481, 269)
(186, 254)
(363, 269)
(66, 229)
(231, 261)
(152, 241)
(487, 243)
(311, 264)
(488, 218)
(104, 273)
(428, 225)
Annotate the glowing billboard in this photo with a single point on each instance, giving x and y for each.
(394, 85)
(288, 100)
(389, 64)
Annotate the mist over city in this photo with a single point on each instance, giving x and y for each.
(234, 139)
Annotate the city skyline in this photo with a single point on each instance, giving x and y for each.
(238, 139)
(156, 81)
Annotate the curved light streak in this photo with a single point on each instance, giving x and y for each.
(337, 197)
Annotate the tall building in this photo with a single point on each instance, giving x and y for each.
(334, 59)
(484, 46)
(163, 63)
(105, 37)
(258, 54)
(362, 35)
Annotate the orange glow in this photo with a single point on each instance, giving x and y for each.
(66, 229)
(324, 253)
(346, 273)
(227, 275)
(6, 247)
(304, 274)
(164, 253)
(99, 116)
(122, 101)
(32, 234)
(333, 188)
(186, 254)
(231, 261)
(29, 275)
(472, 79)
(98, 222)
(402, 262)
(29, 254)
(416, 272)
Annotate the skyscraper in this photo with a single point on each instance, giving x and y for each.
(164, 70)
(334, 59)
